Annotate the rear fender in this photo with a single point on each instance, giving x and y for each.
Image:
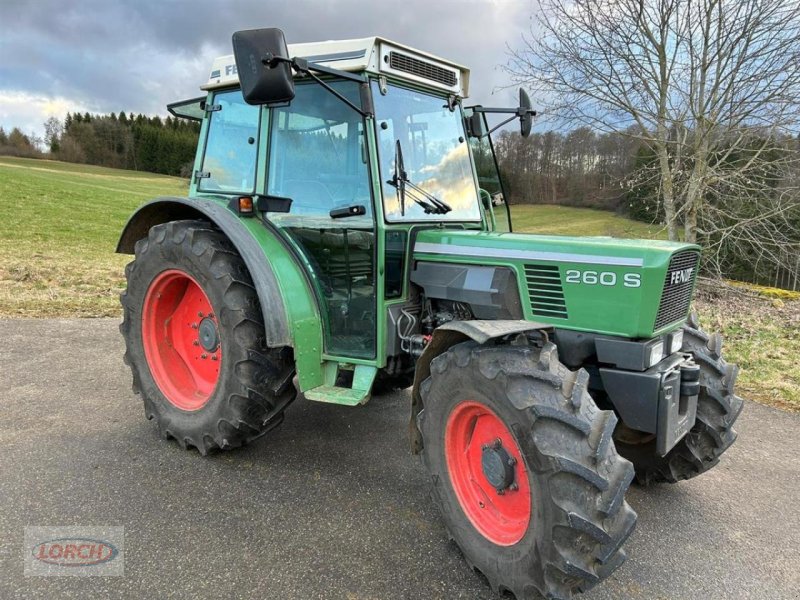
(164, 209)
(448, 335)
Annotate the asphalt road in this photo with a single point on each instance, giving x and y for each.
(331, 505)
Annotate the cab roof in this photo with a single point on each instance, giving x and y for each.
(373, 54)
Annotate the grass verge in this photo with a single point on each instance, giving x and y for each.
(761, 335)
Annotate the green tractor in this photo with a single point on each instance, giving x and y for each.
(340, 237)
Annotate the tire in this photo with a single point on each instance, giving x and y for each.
(202, 395)
(562, 444)
(718, 407)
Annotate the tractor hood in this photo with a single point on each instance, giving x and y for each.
(630, 288)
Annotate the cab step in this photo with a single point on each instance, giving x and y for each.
(338, 395)
(358, 393)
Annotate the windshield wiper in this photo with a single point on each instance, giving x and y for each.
(429, 203)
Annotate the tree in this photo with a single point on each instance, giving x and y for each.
(701, 82)
(16, 143)
(53, 130)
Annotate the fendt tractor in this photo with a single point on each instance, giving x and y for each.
(346, 233)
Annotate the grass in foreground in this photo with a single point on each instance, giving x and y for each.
(59, 225)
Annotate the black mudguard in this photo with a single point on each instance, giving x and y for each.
(448, 335)
(172, 208)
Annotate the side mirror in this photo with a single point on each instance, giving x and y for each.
(264, 67)
(525, 113)
(475, 125)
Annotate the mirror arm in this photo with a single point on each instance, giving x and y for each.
(517, 112)
(514, 112)
(499, 125)
(302, 66)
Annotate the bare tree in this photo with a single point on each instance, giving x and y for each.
(53, 130)
(712, 88)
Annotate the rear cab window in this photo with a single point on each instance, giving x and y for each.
(229, 160)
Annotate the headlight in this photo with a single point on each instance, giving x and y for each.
(655, 353)
(676, 341)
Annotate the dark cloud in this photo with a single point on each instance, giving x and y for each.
(140, 54)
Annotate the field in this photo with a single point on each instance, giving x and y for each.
(565, 220)
(59, 225)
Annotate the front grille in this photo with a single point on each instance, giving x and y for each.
(421, 68)
(545, 292)
(678, 284)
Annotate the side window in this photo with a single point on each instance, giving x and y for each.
(231, 147)
(317, 152)
(491, 189)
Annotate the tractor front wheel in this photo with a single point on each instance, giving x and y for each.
(194, 340)
(718, 407)
(524, 469)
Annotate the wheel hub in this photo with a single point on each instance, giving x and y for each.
(488, 473)
(498, 466)
(208, 334)
(181, 339)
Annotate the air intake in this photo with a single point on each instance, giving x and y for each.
(545, 292)
(678, 285)
(421, 68)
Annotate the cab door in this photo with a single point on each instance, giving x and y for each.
(318, 158)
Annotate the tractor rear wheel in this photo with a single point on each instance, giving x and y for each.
(718, 407)
(194, 338)
(524, 469)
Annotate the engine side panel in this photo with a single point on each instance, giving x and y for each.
(627, 288)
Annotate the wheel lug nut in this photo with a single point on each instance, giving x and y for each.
(213, 357)
(195, 343)
(199, 314)
(501, 492)
(513, 487)
(194, 325)
(204, 356)
(512, 461)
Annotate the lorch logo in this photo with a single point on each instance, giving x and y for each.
(74, 551)
(681, 276)
(77, 552)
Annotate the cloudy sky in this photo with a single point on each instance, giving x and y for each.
(138, 55)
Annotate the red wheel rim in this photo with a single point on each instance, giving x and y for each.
(472, 429)
(185, 364)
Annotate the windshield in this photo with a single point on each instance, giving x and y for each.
(434, 151)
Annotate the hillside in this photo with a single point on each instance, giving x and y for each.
(59, 224)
